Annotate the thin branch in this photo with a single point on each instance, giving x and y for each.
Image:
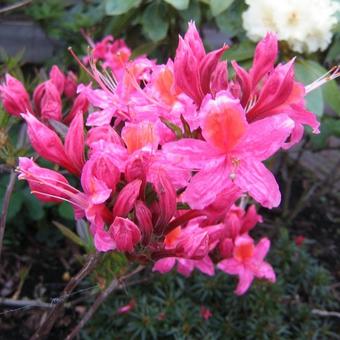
(48, 323)
(5, 205)
(15, 6)
(325, 313)
(25, 303)
(114, 285)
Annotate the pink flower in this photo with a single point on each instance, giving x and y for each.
(206, 313)
(247, 262)
(50, 104)
(233, 150)
(268, 91)
(14, 97)
(299, 240)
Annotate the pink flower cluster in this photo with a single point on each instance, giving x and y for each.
(169, 152)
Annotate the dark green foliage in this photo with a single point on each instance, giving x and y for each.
(168, 307)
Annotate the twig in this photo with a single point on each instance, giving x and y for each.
(115, 284)
(325, 313)
(5, 205)
(25, 303)
(15, 6)
(54, 313)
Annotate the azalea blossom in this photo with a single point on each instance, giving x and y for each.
(166, 159)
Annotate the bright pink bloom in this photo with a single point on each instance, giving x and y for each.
(14, 97)
(125, 234)
(268, 91)
(50, 104)
(247, 262)
(144, 218)
(233, 151)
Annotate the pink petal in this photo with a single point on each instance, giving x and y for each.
(253, 177)
(164, 265)
(264, 137)
(206, 266)
(190, 153)
(231, 266)
(261, 249)
(245, 279)
(206, 185)
(265, 271)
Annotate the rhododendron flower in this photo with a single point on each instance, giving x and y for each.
(247, 262)
(169, 153)
(233, 150)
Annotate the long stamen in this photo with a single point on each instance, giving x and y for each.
(333, 73)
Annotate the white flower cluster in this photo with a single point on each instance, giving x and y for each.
(305, 24)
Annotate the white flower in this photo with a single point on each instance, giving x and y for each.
(305, 24)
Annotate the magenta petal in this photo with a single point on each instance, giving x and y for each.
(164, 265)
(245, 280)
(261, 249)
(265, 271)
(185, 267)
(190, 153)
(206, 266)
(253, 177)
(103, 241)
(230, 266)
(266, 136)
(206, 185)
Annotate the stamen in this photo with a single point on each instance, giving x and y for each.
(251, 103)
(333, 73)
(57, 197)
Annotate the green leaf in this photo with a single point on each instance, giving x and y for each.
(155, 21)
(306, 72)
(331, 92)
(218, 6)
(33, 206)
(146, 48)
(117, 7)
(240, 52)
(67, 232)
(65, 210)
(178, 4)
(193, 12)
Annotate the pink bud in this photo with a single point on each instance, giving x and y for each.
(70, 88)
(166, 194)
(219, 78)
(205, 313)
(125, 233)
(15, 98)
(264, 58)
(47, 143)
(127, 198)
(74, 142)
(51, 105)
(207, 66)
(80, 104)
(58, 79)
(144, 218)
(37, 97)
(47, 185)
